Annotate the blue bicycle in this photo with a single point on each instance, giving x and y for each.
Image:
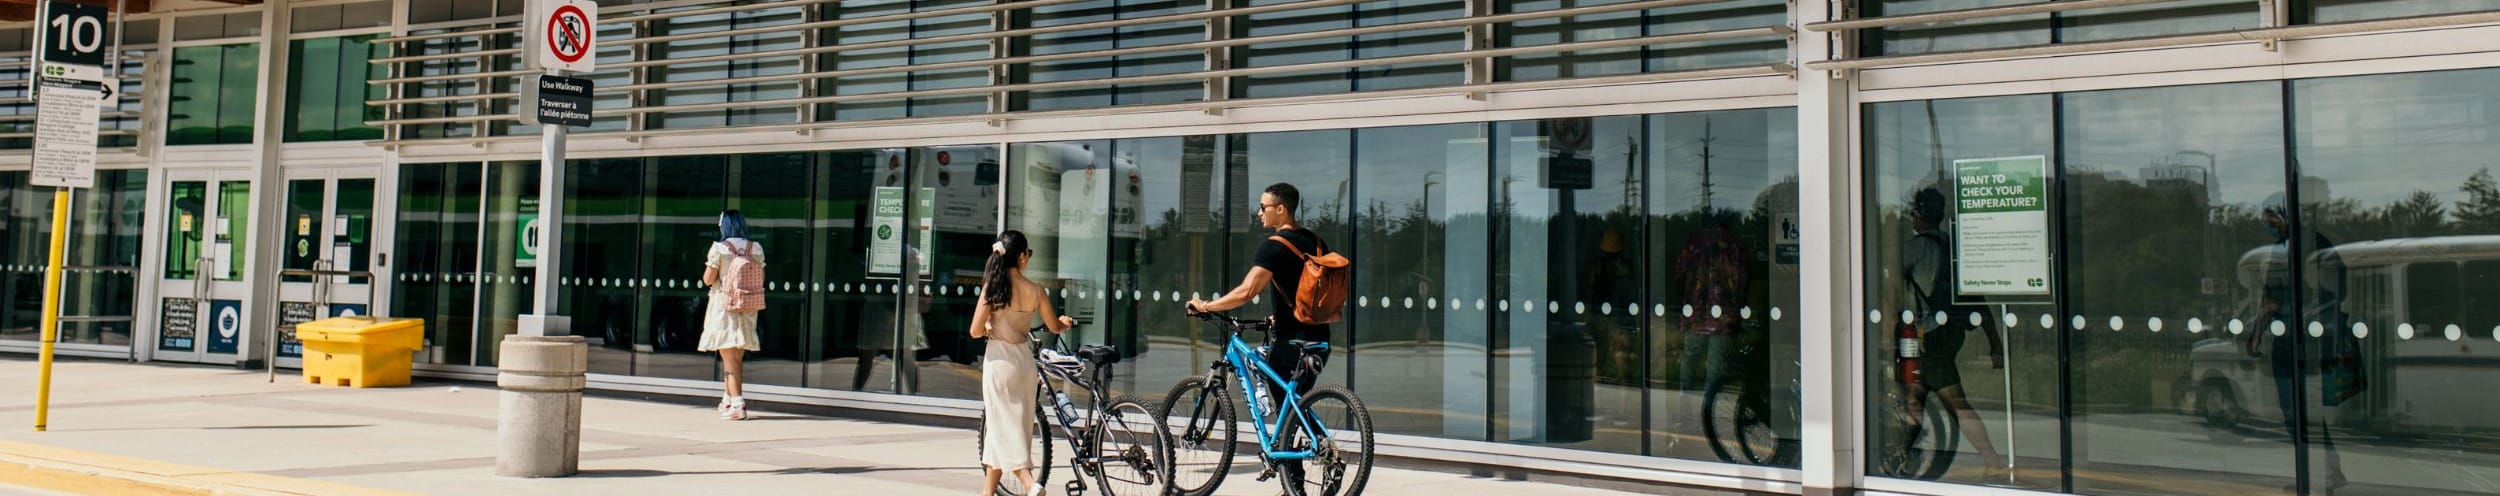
(1320, 443)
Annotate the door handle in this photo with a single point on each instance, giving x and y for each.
(199, 281)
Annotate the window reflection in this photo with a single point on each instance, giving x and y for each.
(1933, 397)
(2397, 217)
(1420, 233)
(1723, 214)
(2166, 194)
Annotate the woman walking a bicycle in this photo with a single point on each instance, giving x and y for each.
(1009, 378)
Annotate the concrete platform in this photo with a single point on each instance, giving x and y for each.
(176, 427)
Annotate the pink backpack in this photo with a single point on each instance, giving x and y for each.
(742, 282)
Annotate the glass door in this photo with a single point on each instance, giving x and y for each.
(202, 292)
(328, 267)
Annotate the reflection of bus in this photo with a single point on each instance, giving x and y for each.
(1074, 205)
(2409, 292)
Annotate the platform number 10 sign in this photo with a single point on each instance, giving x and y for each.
(74, 33)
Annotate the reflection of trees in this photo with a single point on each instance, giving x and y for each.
(2146, 249)
(2480, 211)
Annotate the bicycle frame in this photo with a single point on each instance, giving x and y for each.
(1068, 430)
(1238, 355)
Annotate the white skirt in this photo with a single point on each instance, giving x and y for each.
(724, 329)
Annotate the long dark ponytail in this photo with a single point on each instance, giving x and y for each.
(998, 286)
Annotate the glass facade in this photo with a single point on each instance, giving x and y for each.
(1070, 69)
(327, 92)
(101, 282)
(213, 95)
(2242, 293)
(1612, 284)
(849, 62)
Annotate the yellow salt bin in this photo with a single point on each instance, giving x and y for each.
(360, 351)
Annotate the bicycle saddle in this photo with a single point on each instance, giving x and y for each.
(1055, 359)
(1306, 345)
(1099, 355)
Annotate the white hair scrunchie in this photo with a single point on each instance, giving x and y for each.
(998, 247)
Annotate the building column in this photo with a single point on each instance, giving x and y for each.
(268, 187)
(1827, 192)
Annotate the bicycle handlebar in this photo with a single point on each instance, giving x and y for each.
(1236, 324)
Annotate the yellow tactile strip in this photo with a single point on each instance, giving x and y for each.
(81, 472)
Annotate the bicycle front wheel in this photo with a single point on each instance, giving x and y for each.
(1341, 461)
(1199, 414)
(1131, 449)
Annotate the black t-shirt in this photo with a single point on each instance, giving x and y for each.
(1287, 269)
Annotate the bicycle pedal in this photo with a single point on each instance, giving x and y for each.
(1267, 475)
(1076, 488)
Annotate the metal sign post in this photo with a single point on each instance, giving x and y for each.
(560, 37)
(69, 81)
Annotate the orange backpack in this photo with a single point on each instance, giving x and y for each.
(1319, 298)
(742, 280)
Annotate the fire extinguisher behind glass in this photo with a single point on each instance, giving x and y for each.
(1906, 351)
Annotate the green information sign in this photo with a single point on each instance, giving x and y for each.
(2001, 226)
(526, 254)
(885, 253)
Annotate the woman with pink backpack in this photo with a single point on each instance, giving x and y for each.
(734, 269)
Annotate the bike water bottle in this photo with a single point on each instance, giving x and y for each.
(1907, 350)
(1067, 414)
(1258, 392)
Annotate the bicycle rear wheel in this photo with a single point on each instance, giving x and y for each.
(1199, 414)
(1921, 448)
(1340, 462)
(1739, 426)
(1132, 450)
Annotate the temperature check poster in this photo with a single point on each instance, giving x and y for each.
(2001, 226)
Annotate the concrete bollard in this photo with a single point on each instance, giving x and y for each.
(540, 421)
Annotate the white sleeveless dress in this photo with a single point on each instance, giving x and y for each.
(1009, 381)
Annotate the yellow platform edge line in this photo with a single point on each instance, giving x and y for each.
(81, 472)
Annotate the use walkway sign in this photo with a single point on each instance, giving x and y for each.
(556, 101)
(69, 86)
(561, 35)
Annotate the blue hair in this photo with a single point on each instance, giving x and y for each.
(733, 225)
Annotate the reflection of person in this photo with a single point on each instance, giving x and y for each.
(2324, 306)
(880, 339)
(730, 333)
(1610, 280)
(1009, 378)
(1927, 266)
(1713, 269)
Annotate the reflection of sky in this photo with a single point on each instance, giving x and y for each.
(2123, 131)
(2374, 140)
(2378, 139)
(1399, 164)
(1314, 162)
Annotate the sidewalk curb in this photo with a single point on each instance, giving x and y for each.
(81, 472)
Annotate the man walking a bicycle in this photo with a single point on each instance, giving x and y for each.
(1278, 265)
(1307, 284)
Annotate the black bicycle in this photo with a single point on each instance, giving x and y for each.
(1911, 446)
(1739, 417)
(1119, 442)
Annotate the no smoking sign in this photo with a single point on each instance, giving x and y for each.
(561, 35)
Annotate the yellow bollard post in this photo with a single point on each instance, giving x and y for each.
(52, 305)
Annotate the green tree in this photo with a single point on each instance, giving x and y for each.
(2479, 212)
(2420, 214)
